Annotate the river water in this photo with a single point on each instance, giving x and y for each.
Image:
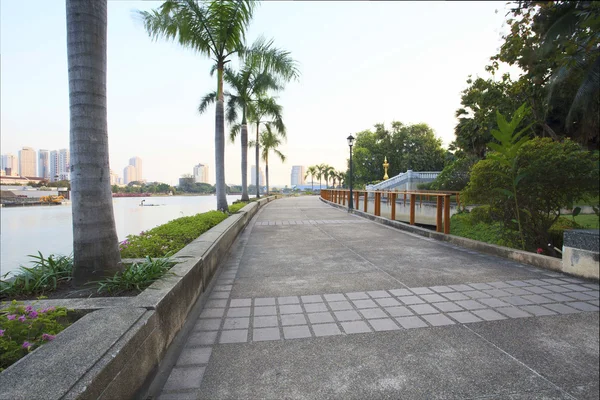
(27, 230)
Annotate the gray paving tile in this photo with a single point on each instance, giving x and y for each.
(357, 295)
(553, 281)
(216, 304)
(326, 330)
(202, 338)
(558, 297)
(470, 304)
(238, 312)
(411, 322)
(423, 309)
(591, 286)
(334, 297)
(184, 378)
(340, 305)
(464, 317)
(434, 298)
(240, 303)
(538, 289)
(489, 315)
(311, 299)
(448, 306)
(194, 356)
(499, 285)
(537, 299)
(481, 286)
(212, 313)
(264, 301)
(421, 290)
(537, 310)
(441, 289)
(497, 292)
(580, 305)
(375, 313)
(518, 283)
(225, 281)
(493, 302)
(580, 296)
(266, 321)
(460, 288)
(315, 307)
(572, 280)
(557, 289)
(364, 303)
(411, 300)
(400, 292)
(455, 296)
(264, 334)
(222, 288)
(317, 318)
(236, 323)
(390, 302)
(595, 302)
(517, 291)
(235, 336)
(293, 319)
(513, 312)
(355, 327)
(438, 319)
(593, 293)
(376, 294)
(288, 300)
(291, 309)
(296, 332)
(349, 315)
(575, 288)
(516, 300)
(208, 325)
(384, 324)
(398, 311)
(476, 294)
(265, 310)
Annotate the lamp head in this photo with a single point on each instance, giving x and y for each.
(350, 140)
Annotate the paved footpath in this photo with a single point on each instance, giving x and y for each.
(316, 303)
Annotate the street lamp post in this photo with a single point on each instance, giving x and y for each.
(350, 143)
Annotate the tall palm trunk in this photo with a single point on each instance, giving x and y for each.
(220, 143)
(257, 161)
(244, 141)
(267, 171)
(95, 242)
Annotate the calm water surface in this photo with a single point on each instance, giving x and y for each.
(25, 230)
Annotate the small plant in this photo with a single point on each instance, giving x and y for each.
(44, 275)
(23, 329)
(137, 276)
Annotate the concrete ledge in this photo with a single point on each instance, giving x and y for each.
(112, 350)
(537, 260)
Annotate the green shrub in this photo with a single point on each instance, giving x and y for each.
(482, 214)
(465, 225)
(170, 237)
(237, 206)
(454, 176)
(137, 276)
(23, 329)
(44, 275)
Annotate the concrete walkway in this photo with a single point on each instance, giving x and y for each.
(314, 303)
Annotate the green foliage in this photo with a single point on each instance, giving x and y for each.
(23, 329)
(454, 176)
(477, 227)
(170, 237)
(237, 206)
(137, 276)
(44, 275)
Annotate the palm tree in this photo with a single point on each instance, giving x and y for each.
(312, 172)
(327, 170)
(341, 176)
(270, 139)
(95, 242)
(216, 29)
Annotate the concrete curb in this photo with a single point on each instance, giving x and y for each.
(112, 350)
(525, 257)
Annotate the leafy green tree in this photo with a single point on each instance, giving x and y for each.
(215, 29)
(456, 175)
(95, 243)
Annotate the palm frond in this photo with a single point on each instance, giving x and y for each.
(207, 100)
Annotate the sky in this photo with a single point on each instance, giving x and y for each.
(361, 63)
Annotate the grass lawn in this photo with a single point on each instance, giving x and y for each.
(587, 220)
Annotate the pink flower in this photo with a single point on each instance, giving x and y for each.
(10, 317)
(50, 309)
(26, 345)
(1, 332)
(28, 309)
(47, 337)
(33, 315)
(540, 250)
(22, 318)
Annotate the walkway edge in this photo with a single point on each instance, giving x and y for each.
(525, 257)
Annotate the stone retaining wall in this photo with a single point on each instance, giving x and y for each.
(111, 351)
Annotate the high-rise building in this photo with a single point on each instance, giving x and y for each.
(137, 163)
(129, 174)
(27, 162)
(297, 175)
(201, 173)
(261, 177)
(114, 178)
(59, 165)
(44, 164)
(10, 164)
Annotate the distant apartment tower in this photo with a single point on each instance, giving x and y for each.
(297, 175)
(59, 165)
(253, 176)
(201, 173)
(27, 162)
(114, 178)
(44, 164)
(129, 174)
(137, 163)
(10, 164)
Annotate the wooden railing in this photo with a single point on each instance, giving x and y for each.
(442, 221)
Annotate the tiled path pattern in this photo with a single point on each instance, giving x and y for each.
(311, 222)
(228, 320)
